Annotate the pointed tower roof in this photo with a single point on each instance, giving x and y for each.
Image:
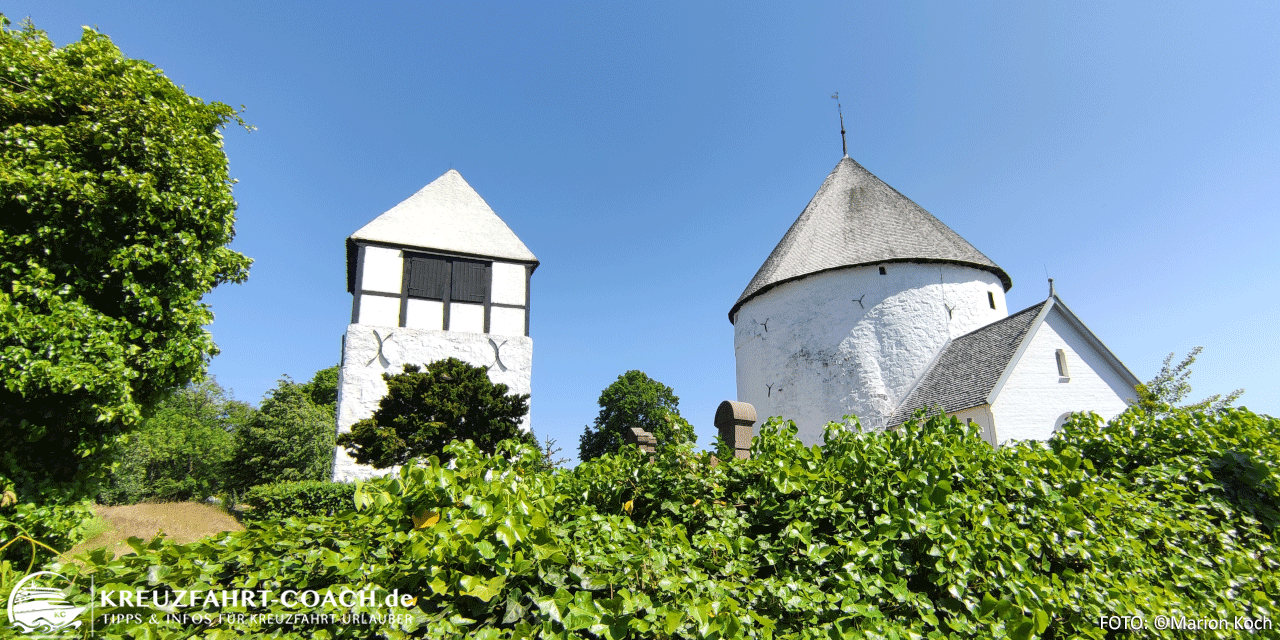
(447, 215)
(856, 219)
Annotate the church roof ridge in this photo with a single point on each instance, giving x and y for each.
(856, 219)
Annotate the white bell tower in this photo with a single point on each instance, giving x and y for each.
(439, 275)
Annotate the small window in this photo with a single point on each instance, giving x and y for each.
(1062, 364)
(991, 299)
(882, 271)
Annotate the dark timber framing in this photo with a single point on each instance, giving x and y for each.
(528, 275)
(407, 254)
(488, 293)
(404, 286)
(448, 277)
(355, 308)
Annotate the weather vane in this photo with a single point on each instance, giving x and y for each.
(843, 145)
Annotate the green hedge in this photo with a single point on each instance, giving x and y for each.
(273, 502)
(924, 532)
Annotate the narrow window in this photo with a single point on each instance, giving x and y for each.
(882, 272)
(991, 299)
(1062, 364)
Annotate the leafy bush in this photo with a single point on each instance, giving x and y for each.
(922, 532)
(425, 410)
(272, 502)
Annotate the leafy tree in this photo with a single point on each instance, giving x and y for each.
(425, 410)
(634, 400)
(1163, 393)
(290, 439)
(323, 387)
(115, 215)
(180, 453)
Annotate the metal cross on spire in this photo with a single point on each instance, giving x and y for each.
(843, 145)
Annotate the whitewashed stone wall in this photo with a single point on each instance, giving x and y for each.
(1034, 398)
(361, 387)
(808, 351)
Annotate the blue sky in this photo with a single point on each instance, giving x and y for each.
(652, 155)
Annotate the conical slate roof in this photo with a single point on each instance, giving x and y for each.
(857, 219)
(447, 215)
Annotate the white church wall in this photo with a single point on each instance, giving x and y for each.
(504, 321)
(809, 351)
(424, 314)
(983, 418)
(466, 317)
(508, 284)
(1034, 397)
(379, 310)
(383, 270)
(361, 386)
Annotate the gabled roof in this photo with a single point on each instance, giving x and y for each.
(447, 215)
(857, 219)
(971, 370)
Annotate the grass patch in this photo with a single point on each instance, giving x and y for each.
(181, 522)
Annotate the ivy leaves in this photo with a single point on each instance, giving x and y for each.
(925, 532)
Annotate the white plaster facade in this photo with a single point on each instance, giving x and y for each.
(1034, 399)
(852, 341)
(361, 386)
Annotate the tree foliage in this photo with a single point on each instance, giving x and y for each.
(424, 410)
(291, 438)
(922, 532)
(323, 387)
(182, 451)
(115, 215)
(1164, 393)
(634, 400)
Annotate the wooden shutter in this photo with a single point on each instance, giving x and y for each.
(470, 281)
(428, 278)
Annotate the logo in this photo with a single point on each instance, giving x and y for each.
(36, 604)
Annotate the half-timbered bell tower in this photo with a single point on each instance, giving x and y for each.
(439, 275)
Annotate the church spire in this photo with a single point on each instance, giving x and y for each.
(843, 145)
